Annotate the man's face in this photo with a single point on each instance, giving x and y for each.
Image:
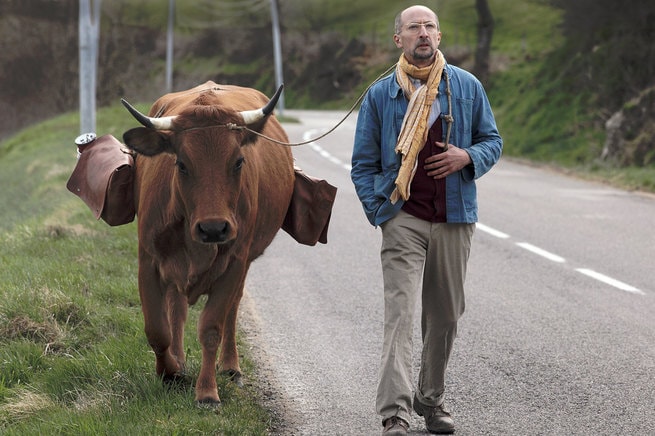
(418, 36)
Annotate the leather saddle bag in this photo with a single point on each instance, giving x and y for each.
(103, 178)
(308, 216)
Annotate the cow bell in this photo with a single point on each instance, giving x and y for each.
(83, 141)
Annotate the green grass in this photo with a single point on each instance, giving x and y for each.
(73, 355)
(539, 118)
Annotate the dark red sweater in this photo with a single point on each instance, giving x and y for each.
(427, 199)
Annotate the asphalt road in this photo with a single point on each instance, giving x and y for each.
(558, 337)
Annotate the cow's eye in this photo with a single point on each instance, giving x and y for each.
(239, 163)
(181, 167)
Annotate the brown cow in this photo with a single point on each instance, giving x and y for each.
(209, 197)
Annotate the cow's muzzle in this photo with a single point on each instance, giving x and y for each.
(214, 232)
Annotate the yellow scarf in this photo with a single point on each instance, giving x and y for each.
(414, 130)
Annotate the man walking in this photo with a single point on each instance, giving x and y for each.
(424, 134)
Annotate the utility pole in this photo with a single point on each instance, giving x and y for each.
(88, 40)
(169, 46)
(277, 53)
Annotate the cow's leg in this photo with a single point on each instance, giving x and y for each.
(155, 315)
(228, 360)
(212, 330)
(210, 339)
(178, 308)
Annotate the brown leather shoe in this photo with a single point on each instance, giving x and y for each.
(437, 419)
(395, 426)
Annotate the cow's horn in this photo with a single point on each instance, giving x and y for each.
(164, 123)
(250, 117)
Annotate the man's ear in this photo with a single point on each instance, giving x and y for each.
(396, 40)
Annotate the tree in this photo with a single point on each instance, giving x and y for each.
(608, 50)
(483, 47)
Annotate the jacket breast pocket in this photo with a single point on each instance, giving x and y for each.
(464, 116)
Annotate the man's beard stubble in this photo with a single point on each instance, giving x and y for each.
(423, 55)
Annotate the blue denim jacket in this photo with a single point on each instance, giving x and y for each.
(375, 163)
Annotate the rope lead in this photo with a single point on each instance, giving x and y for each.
(447, 117)
(295, 144)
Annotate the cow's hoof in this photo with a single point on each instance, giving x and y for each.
(209, 403)
(177, 380)
(235, 376)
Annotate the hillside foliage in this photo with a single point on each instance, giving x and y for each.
(608, 50)
(559, 69)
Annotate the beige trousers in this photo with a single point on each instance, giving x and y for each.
(438, 253)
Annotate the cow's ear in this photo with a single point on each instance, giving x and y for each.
(252, 131)
(147, 142)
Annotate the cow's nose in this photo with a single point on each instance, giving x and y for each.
(213, 231)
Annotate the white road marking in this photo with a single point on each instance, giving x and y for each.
(492, 232)
(610, 281)
(541, 252)
(313, 133)
(309, 134)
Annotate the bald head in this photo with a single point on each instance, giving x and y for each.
(406, 15)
